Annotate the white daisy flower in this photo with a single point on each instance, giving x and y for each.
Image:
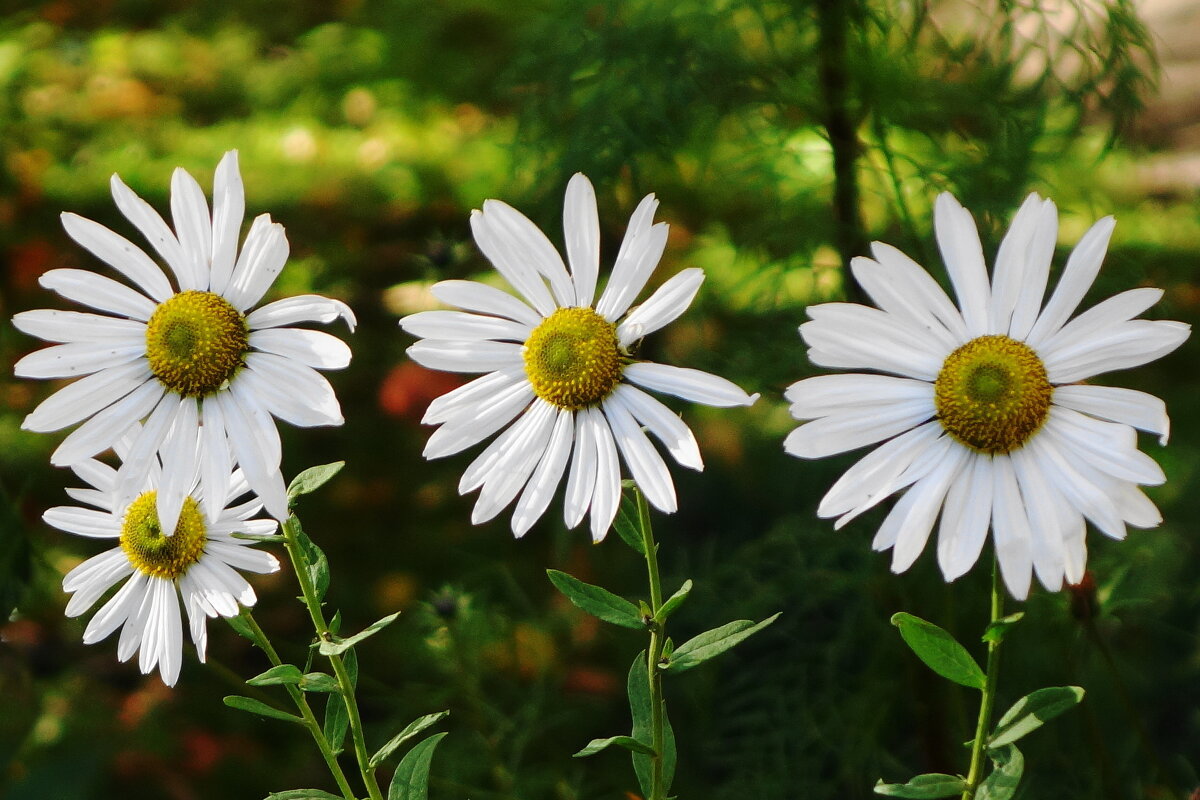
(196, 563)
(188, 358)
(558, 363)
(982, 411)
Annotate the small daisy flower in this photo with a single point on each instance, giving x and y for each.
(982, 410)
(191, 359)
(195, 564)
(558, 363)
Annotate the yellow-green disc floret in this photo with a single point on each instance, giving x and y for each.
(195, 342)
(572, 358)
(154, 554)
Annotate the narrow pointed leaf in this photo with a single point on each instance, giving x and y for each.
(241, 627)
(315, 562)
(1008, 766)
(262, 537)
(939, 650)
(339, 645)
(410, 730)
(337, 721)
(638, 687)
(712, 643)
(597, 601)
(673, 602)
(1031, 711)
(924, 787)
(303, 794)
(283, 674)
(312, 479)
(997, 630)
(411, 779)
(628, 742)
(258, 707)
(626, 523)
(319, 682)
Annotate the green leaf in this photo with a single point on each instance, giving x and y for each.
(626, 523)
(924, 787)
(315, 562)
(712, 643)
(410, 730)
(997, 630)
(1002, 783)
(283, 674)
(303, 794)
(312, 479)
(1031, 711)
(319, 682)
(673, 602)
(241, 627)
(411, 779)
(258, 707)
(338, 645)
(597, 601)
(261, 537)
(337, 721)
(628, 742)
(939, 650)
(638, 687)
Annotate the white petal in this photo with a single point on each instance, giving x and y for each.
(229, 207)
(140, 460)
(120, 254)
(581, 480)
(1044, 506)
(690, 384)
(907, 527)
(83, 522)
(460, 356)
(1083, 495)
(1127, 406)
(171, 648)
(958, 239)
(312, 348)
(98, 292)
(291, 390)
(965, 518)
(661, 308)
(179, 457)
(540, 489)
(511, 263)
(607, 495)
(857, 427)
(237, 587)
(86, 396)
(210, 586)
(460, 325)
(581, 228)
(646, 466)
(639, 223)
(106, 427)
(75, 359)
(244, 558)
(92, 497)
(1011, 531)
(1082, 266)
(301, 308)
(118, 608)
(501, 449)
(527, 239)
(254, 439)
(262, 258)
(193, 226)
(135, 626)
(664, 423)
(484, 299)
(894, 293)
(1125, 345)
(631, 272)
(91, 579)
(826, 395)
(1076, 335)
(197, 616)
(513, 468)
(96, 473)
(914, 290)
(216, 462)
(473, 424)
(853, 336)
(1008, 275)
(878, 474)
(74, 326)
(1038, 256)
(151, 225)
(1107, 446)
(448, 405)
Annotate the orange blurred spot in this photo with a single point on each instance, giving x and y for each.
(202, 751)
(27, 261)
(591, 681)
(409, 388)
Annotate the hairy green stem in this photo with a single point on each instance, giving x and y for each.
(345, 685)
(658, 789)
(975, 775)
(298, 697)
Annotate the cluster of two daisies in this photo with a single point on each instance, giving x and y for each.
(979, 410)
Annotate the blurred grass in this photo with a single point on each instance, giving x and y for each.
(370, 129)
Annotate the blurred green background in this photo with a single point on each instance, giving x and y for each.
(781, 137)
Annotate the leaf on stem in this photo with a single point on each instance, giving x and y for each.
(673, 602)
(315, 562)
(338, 645)
(924, 787)
(597, 601)
(312, 479)
(410, 730)
(1031, 711)
(939, 650)
(260, 537)
(303, 794)
(241, 626)
(626, 522)
(319, 682)
(711, 644)
(996, 631)
(411, 779)
(337, 721)
(628, 742)
(283, 674)
(1002, 783)
(638, 687)
(258, 707)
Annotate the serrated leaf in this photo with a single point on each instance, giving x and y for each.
(312, 479)
(711, 644)
(996, 631)
(1008, 766)
(924, 787)
(303, 794)
(410, 730)
(1032, 711)
(282, 674)
(673, 602)
(319, 682)
(597, 601)
(338, 645)
(315, 563)
(940, 651)
(253, 706)
(241, 627)
(627, 742)
(411, 779)
(638, 688)
(626, 522)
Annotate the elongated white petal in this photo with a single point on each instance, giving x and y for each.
(1125, 345)
(106, 427)
(958, 239)
(316, 349)
(74, 326)
(75, 359)
(475, 423)
(527, 239)
(825, 395)
(1011, 531)
(1080, 493)
(965, 518)
(661, 308)
(91, 579)
(874, 338)
(1127, 406)
(1078, 276)
(139, 460)
(484, 299)
(607, 495)
(646, 466)
(581, 479)
(513, 469)
(118, 608)
(502, 447)
(460, 325)
(193, 226)
(1008, 274)
(254, 440)
(465, 356)
(99, 292)
(1107, 446)
(292, 392)
(581, 228)
(86, 396)
(631, 272)
(229, 207)
(83, 522)
(180, 453)
(877, 475)
(301, 308)
(120, 254)
(151, 225)
(448, 405)
(1044, 505)
(639, 223)
(666, 426)
(546, 477)
(857, 427)
(918, 291)
(1038, 256)
(216, 462)
(1076, 336)
(907, 527)
(690, 384)
(244, 558)
(511, 263)
(260, 262)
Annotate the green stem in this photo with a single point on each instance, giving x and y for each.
(657, 637)
(975, 776)
(345, 685)
(310, 719)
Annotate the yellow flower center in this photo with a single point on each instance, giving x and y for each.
(155, 554)
(195, 342)
(992, 394)
(572, 358)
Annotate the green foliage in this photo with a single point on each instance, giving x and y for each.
(1032, 711)
(626, 742)
(303, 794)
(673, 602)
(337, 645)
(275, 676)
(1008, 767)
(637, 687)
(315, 562)
(312, 479)
(996, 631)
(597, 601)
(411, 779)
(924, 787)
(711, 644)
(940, 651)
(410, 730)
(252, 706)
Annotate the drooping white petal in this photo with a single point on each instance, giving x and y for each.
(465, 356)
(1124, 345)
(825, 395)
(473, 424)
(539, 414)
(1080, 493)
(461, 325)
(120, 254)
(88, 581)
(118, 608)
(1076, 336)
(484, 299)
(958, 240)
(140, 459)
(877, 475)
(1107, 446)
(646, 466)
(690, 384)
(661, 308)
(244, 558)
(661, 421)
(315, 349)
(581, 228)
(83, 398)
(581, 479)
(229, 207)
(1011, 532)
(254, 440)
(193, 226)
(443, 408)
(514, 468)
(1042, 504)
(907, 527)
(106, 427)
(1077, 277)
(1126, 406)
(291, 392)
(216, 461)
(965, 517)
(607, 496)
(540, 489)
(99, 292)
(301, 308)
(179, 455)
